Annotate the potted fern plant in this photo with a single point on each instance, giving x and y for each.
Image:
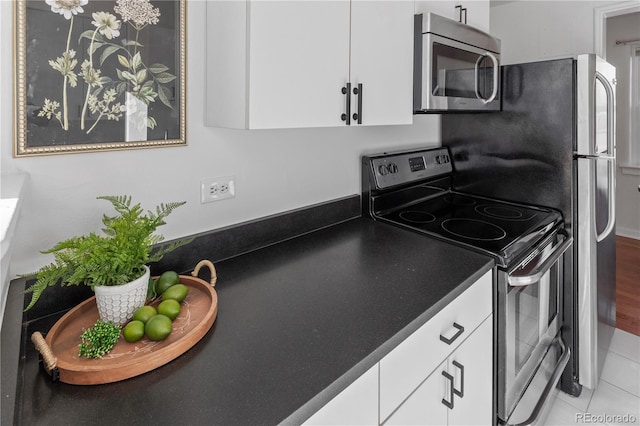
(114, 265)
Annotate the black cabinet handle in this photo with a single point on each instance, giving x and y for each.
(346, 117)
(462, 9)
(358, 92)
(459, 392)
(455, 336)
(448, 404)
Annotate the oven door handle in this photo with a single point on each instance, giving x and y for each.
(547, 392)
(538, 271)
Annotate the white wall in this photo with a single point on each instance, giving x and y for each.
(275, 170)
(533, 30)
(625, 27)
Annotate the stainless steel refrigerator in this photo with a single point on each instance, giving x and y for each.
(553, 144)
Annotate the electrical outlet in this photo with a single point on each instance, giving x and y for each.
(216, 189)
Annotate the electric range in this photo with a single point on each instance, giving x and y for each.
(414, 190)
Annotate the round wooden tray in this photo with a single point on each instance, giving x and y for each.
(199, 310)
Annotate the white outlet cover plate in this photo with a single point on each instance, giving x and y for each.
(216, 189)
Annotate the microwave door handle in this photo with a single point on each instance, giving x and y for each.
(496, 72)
(476, 73)
(496, 75)
(541, 269)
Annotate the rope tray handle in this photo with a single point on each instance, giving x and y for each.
(212, 268)
(48, 358)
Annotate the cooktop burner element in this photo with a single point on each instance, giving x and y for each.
(417, 216)
(503, 212)
(473, 229)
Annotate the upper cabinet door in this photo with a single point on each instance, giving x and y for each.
(446, 8)
(284, 64)
(298, 62)
(382, 61)
(477, 11)
(478, 14)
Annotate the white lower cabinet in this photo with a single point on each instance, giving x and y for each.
(476, 357)
(404, 368)
(356, 405)
(424, 406)
(458, 392)
(411, 385)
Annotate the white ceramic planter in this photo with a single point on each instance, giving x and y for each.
(117, 303)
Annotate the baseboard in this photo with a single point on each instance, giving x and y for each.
(629, 233)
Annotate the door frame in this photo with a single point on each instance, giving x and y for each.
(600, 22)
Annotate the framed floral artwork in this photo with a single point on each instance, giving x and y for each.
(94, 75)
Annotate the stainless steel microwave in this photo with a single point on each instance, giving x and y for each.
(456, 67)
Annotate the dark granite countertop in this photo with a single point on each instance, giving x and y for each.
(297, 322)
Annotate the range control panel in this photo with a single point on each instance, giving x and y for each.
(397, 169)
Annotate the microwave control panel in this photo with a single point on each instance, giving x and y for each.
(398, 169)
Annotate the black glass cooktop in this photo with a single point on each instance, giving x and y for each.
(501, 229)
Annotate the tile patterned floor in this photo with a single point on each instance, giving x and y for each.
(616, 401)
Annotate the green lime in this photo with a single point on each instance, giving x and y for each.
(158, 327)
(133, 331)
(166, 280)
(143, 313)
(170, 308)
(176, 292)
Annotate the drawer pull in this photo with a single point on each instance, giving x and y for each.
(455, 336)
(459, 392)
(449, 377)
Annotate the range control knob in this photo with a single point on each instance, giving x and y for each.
(392, 168)
(442, 159)
(382, 169)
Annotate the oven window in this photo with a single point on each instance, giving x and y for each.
(526, 302)
(453, 73)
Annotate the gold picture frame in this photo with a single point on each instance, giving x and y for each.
(96, 75)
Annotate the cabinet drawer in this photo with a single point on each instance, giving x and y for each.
(405, 367)
(424, 407)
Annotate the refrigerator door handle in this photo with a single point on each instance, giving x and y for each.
(611, 105)
(611, 151)
(611, 220)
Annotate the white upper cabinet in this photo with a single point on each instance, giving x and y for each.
(382, 61)
(283, 64)
(477, 11)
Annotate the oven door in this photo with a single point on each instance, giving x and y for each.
(456, 76)
(529, 320)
